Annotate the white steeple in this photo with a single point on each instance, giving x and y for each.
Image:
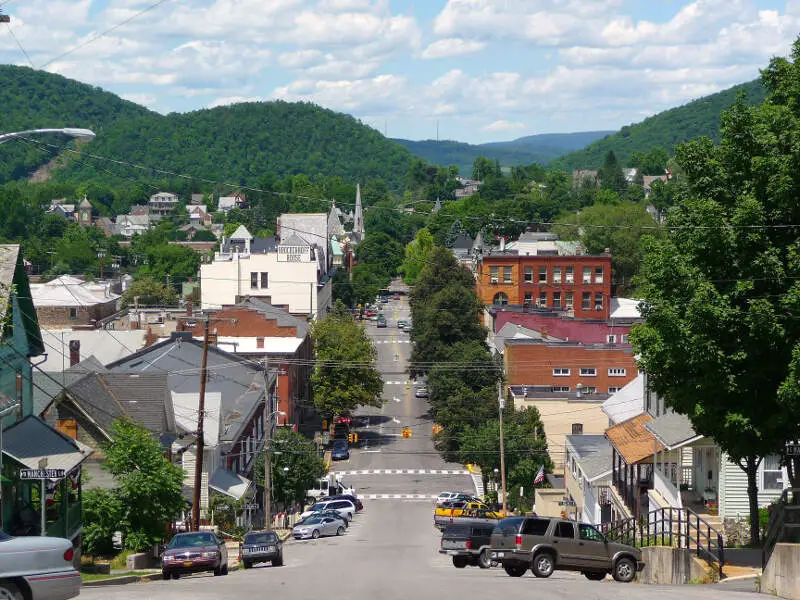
(358, 215)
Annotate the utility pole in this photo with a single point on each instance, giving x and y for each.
(267, 450)
(502, 404)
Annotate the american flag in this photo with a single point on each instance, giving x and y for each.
(539, 476)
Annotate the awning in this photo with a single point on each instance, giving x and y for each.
(31, 440)
(229, 483)
(632, 440)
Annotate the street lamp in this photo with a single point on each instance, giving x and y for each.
(68, 131)
(268, 467)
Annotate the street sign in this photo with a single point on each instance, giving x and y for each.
(25, 474)
(566, 503)
(792, 449)
(222, 507)
(251, 507)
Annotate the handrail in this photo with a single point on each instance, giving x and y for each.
(777, 522)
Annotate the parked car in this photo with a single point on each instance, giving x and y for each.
(264, 546)
(37, 568)
(381, 322)
(401, 324)
(546, 545)
(344, 507)
(422, 392)
(317, 527)
(326, 513)
(445, 496)
(340, 451)
(194, 552)
(341, 431)
(468, 544)
(356, 501)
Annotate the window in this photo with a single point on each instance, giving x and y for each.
(259, 342)
(588, 372)
(68, 427)
(623, 339)
(494, 274)
(577, 429)
(574, 468)
(264, 280)
(542, 299)
(617, 372)
(589, 389)
(586, 301)
(73, 314)
(589, 533)
(254, 280)
(507, 274)
(528, 274)
(556, 299)
(613, 390)
(565, 530)
(611, 339)
(542, 274)
(568, 302)
(561, 372)
(570, 275)
(598, 301)
(587, 275)
(598, 274)
(556, 274)
(559, 388)
(773, 474)
(528, 298)
(535, 526)
(500, 299)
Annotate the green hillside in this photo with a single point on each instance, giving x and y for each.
(665, 129)
(239, 143)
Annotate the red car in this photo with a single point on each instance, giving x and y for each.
(193, 553)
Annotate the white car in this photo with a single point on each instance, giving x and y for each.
(42, 565)
(344, 507)
(445, 496)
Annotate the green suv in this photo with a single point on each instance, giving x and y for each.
(544, 545)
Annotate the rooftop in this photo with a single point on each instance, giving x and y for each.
(626, 403)
(593, 453)
(31, 440)
(632, 440)
(68, 291)
(107, 344)
(673, 430)
(544, 392)
(626, 309)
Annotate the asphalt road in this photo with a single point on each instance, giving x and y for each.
(390, 552)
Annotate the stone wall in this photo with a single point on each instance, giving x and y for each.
(671, 566)
(781, 576)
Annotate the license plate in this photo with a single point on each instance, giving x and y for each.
(498, 554)
(270, 548)
(187, 563)
(452, 552)
(447, 545)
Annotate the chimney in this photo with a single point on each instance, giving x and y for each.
(74, 352)
(502, 244)
(607, 251)
(149, 338)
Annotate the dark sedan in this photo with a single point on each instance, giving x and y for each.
(194, 553)
(340, 450)
(260, 547)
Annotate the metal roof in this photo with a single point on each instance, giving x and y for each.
(31, 440)
(673, 430)
(593, 453)
(230, 484)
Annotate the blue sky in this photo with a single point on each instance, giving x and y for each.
(484, 70)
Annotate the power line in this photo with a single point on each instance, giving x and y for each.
(16, 39)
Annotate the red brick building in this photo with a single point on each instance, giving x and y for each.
(553, 275)
(557, 325)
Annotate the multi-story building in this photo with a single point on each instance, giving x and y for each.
(547, 274)
(70, 302)
(161, 204)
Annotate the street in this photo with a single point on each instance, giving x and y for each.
(391, 549)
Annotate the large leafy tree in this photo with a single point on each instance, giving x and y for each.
(380, 252)
(344, 376)
(295, 466)
(148, 485)
(721, 338)
(417, 254)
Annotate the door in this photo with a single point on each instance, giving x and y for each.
(592, 549)
(566, 544)
(329, 526)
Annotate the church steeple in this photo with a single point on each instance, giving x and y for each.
(358, 215)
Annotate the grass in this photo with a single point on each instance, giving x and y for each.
(97, 577)
(120, 561)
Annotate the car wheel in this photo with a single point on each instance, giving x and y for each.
(176, 576)
(459, 562)
(247, 564)
(277, 562)
(340, 531)
(225, 569)
(515, 570)
(543, 564)
(595, 575)
(485, 559)
(9, 591)
(315, 534)
(625, 570)
(165, 575)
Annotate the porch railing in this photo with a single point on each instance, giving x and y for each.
(784, 523)
(670, 526)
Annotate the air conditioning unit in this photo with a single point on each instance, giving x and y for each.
(598, 307)
(540, 303)
(569, 307)
(494, 281)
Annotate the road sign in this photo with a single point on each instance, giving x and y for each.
(251, 507)
(792, 449)
(566, 503)
(42, 474)
(222, 507)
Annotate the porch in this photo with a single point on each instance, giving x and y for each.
(632, 462)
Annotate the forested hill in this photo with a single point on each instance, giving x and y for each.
(665, 129)
(239, 143)
(32, 99)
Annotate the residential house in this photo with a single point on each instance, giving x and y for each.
(130, 225)
(62, 208)
(287, 273)
(630, 175)
(67, 301)
(199, 215)
(197, 199)
(466, 187)
(67, 347)
(258, 331)
(227, 203)
(587, 476)
(162, 204)
(238, 393)
(586, 178)
(648, 180)
(462, 250)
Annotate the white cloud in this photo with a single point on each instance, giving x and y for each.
(228, 100)
(450, 47)
(503, 125)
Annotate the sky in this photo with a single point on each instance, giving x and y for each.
(478, 70)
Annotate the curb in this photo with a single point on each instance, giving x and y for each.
(474, 469)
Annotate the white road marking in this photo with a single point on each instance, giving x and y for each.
(399, 497)
(396, 382)
(396, 399)
(404, 471)
(395, 419)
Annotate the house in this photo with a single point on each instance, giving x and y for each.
(238, 393)
(67, 347)
(648, 180)
(630, 175)
(27, 441)
(62, 208)
(227, 203)
(67, 301)
(258, 331)
(197, 199)
(307, 229)
(587, 476)
(546, 274)
(462, 250)
(286, 273)
(199, 215)
(162, 204)
(466, 187)
(130, 225)
(585, 178)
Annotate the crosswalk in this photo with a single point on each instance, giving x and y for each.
(404, 472)
(404, 382)
(398, 497)
(392, 342)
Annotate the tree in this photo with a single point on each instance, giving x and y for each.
(179, 263)
(148, 292)
(102, 513)
(721, 339)
(380, 252)
(295, 466)
(343, 289)
(611, 175)
(204, 235)
(148, 485)
(344, 376)
(417, 254)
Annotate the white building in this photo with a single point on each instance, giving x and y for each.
(162, 203)
(285, 273)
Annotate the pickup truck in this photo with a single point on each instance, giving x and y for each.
(469, 543)
(456, 511)
(332, 485)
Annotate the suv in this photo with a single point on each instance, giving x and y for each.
(468, 544)
(545, 545)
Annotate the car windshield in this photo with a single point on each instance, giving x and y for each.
(313, 521)
(260, 538)
(318, 507)
(190, 540)
(340, 445)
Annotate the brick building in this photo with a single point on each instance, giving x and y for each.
(268, 334)
(71, 302)
(547, 274)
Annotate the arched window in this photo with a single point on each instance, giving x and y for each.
(500, 299)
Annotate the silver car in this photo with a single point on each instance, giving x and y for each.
(317, 527)
(42, 565)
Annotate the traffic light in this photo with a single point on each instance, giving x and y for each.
(324, 424)
(351, 438)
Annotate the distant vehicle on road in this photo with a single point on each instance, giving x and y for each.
(264, 546)
(317, 527)
(381, 322)
(331, 485)
(468, 544)
(340, 451)
(344, 507)
(356, 501)
(41, 565)
(401, 324)
(194, 552)
(326, 513)
(422, 392)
